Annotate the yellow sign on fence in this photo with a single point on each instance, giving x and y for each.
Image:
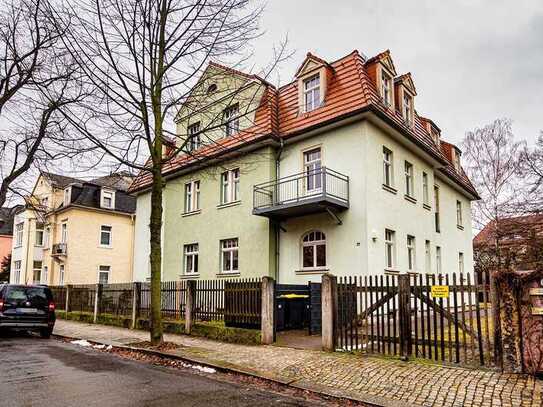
(440, 291)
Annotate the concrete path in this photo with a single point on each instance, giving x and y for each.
(375, 380)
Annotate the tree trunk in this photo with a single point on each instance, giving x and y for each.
(156, 255)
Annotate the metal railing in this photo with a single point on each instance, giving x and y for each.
(322, 182)
(60, 249)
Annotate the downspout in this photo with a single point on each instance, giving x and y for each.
(277, 223)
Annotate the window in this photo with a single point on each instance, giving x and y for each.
(103, 274)
(64, 233)
(312, 169)
(231, 120)
(313, 250)
(212, 88)
(409, 179)
(425, 192)
(192, 196)
(230, 186)
(39, 236)
(61, 275)
(456, 159)
(460, 262)
(105, 236)
(459, 213)
(67, 196)
(45, 275)
(438, 259)
(17, 272)
(108, 199)
(36, 272)
(387, 167)
(191, 258)
(194, 141)
(411, 253)
(386, 88)
(229, 256)
(436, 206)
(390, 255)
(45, 203)
(312, 93)
(408, 108)
(19, 234)
(46, 237)
(427, 257)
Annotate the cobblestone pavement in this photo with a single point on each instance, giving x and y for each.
(371, 379)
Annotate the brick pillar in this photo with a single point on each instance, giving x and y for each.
(329, 309)
(189, 306)
(268, 311)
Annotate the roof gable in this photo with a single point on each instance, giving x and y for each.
(310, 64)
(407, 81)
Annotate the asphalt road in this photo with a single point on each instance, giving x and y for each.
(38, 372)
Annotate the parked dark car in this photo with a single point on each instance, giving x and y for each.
(27, 307)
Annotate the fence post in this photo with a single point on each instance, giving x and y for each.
(189, 306)
(329, 308)
(267, 325)
(495, 310)
(136, 289)
(97, 298)
(404, 295)
(67, 306)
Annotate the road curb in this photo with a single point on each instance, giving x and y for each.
(229, 368)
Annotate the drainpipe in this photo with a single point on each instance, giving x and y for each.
(277, 223)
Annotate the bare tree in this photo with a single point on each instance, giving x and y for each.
(35, 83)
(532, 167)
(141, 60)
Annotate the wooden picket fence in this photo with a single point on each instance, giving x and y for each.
(398, 315)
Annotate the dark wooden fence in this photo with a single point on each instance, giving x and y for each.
(397, 315)
(59, 297)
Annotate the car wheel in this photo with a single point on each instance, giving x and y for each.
(45, 333)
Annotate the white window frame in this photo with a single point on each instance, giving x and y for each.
(194, 141)
(460, 262)
(109, 233)
(39, 232)
(313, 169)
(438, 259)
(311, 93)
(192, 196)
(17, 271)
(102, 270)
(61, 274)
(36, 270)
(232, 252)
(19, 228)
(105, 193)
(411, 253)
(408, 108)
(386, 88)
(230, 186)
(425, 190)
(459, 218)
(308, 241)
(64, 232)
(388, 167)
(409, 179)
(67, 196)
(44, 277)
(390, 249)
(231, 120)
(437, 216)
(47, 237)
(191, 251)
(427, 256)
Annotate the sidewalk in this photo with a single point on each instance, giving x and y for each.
(369, 379)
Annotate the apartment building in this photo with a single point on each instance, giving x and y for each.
(334, 172)
(75, 232)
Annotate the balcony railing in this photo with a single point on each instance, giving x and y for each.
(59, 249)
(300, 194)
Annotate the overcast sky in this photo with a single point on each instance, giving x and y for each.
(472, 60)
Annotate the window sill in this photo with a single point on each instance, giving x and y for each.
(390, 189)
(392, 271)
(228, 205)
(191, 213)
(188, 276)
(460, 227)
(226, 275)
(104, 246)
(410, 199)
(427, 207)
(320, 270)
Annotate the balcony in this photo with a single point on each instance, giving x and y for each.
(59, 249)
(320, 190)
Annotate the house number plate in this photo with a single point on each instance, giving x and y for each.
(536, 291)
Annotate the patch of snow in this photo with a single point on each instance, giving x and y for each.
(81, 342)
(99, 346)
(109, 347)
(204, 369)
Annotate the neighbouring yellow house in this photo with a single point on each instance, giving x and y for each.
(73, 231)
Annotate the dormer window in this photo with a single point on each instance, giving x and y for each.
(456, 159)
(407, 110)
(312, 93)
(107, 199)
(67, 196)
(231, 120)
(193, 142)
(386, 88)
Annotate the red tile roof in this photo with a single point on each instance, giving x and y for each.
(518, 225)
(350, 91)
